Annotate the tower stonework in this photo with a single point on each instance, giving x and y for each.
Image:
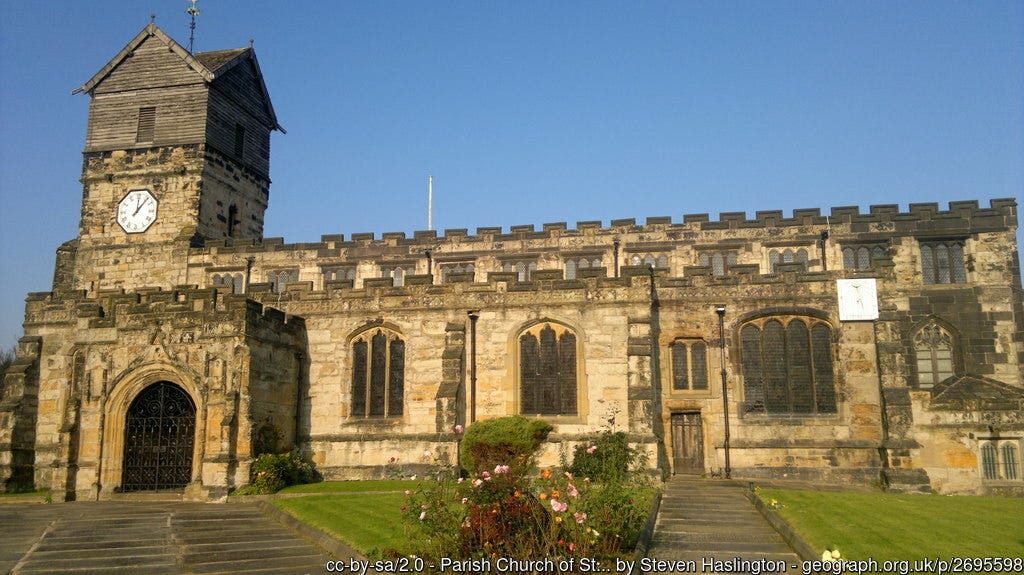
(191, 130)
(868, 347)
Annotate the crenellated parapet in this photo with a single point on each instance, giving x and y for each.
(961, 216)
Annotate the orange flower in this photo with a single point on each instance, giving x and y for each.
(546, 474)
(556, 494)
(543, 496)
(516, 494)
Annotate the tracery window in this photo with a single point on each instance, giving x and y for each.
(547, 370)
(788, 366)
(862, 257)
(933, 350)
(1000, 460)
(719, 261)
(578, 263)
(524, 268)
(649, 260)
(397, 272)
(339, 274)
(456, 268)
(236, 281)
(280, 278)
(943, 262)
(378, 374)
(689, 365)
(786, 256)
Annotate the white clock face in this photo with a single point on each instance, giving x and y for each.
(137, 211)
(858, 299)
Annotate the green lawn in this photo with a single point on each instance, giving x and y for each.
(367, 522)
(888, 526)
(353, 486)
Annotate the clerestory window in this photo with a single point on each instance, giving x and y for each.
(279, 279)
(862, 257)
(524, 268)
(786, 256)
(456, 268)
(572, 265)
(718, 261)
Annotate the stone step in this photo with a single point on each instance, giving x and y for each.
(277, 563)
(703, 519)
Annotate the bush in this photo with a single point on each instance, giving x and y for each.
(271, 473)
(506, 511)
(508, 441)
(607, 459)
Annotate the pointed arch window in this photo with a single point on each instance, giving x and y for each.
(788, 366)
(933, 348)
(547, 370)
(378, 374)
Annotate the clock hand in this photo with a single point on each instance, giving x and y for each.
(142, 203)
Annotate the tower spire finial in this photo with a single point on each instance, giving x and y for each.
(152, 17)
(192, 11)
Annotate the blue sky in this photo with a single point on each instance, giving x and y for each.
(538, 111)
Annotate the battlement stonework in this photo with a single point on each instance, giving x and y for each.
(878, 347)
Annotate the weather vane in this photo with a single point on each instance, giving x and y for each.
(192, 11)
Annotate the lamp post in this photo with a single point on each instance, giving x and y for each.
(473, 316)
(615, 256)
(720, 310)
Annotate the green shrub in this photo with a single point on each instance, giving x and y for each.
(503, 441)
(607, 459)
(272, 472)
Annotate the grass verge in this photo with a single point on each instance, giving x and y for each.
(889, 526)
(367, 522)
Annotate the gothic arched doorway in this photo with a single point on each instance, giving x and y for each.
(159, 436)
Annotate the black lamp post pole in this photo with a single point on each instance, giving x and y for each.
(720, 310)
(473, 316)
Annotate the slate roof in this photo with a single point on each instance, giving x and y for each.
(217, 58)
(976, 392)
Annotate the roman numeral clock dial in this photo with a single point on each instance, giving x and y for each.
(136, 211)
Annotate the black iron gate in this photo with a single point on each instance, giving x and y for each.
(159, 435)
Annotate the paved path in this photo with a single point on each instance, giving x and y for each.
(702, 519)
(154, 538)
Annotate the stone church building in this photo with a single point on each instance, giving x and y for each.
(177, 343)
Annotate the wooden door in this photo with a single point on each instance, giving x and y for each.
(687, 443)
